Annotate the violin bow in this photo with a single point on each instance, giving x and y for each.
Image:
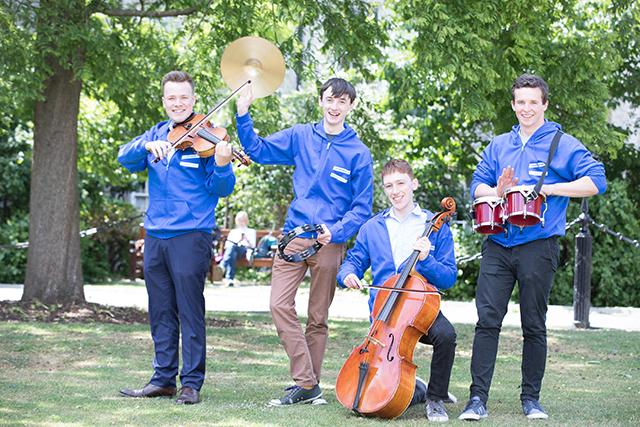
(417, 291)
(209, 114)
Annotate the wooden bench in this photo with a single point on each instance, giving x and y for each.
(214, 274)
(136, 255)
(136, 250)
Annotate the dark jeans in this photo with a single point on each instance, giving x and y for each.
(533, 266)
(229, 260)
(442, 336)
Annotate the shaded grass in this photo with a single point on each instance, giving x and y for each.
(70, 374)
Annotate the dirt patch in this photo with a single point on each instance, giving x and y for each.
(87, 312)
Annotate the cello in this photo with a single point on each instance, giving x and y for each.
(378, 378)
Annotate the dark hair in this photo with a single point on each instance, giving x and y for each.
(339, 87)
(178, 77)
(397, 165)
(529, 80)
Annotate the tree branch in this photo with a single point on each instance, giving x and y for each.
(148, 13)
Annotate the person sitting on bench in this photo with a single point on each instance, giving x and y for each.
(239, 244)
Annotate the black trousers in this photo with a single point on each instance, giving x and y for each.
(533, 266)
(442, 336)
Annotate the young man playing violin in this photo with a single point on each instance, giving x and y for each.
(384, 243)
(183, 193)
(333, 186)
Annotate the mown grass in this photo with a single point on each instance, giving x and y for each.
(70, 374)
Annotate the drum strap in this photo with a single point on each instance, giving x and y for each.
(552, 151)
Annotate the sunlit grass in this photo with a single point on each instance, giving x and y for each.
(70, 374)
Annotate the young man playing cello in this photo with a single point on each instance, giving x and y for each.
(384, 243)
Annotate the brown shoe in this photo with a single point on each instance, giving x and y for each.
(150, 390)
(188, 396)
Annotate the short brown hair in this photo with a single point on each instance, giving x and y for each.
(178, 77)
(397, 165)
(529, 80)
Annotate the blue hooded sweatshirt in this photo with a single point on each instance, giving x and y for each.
(332, 182)
(373, 249)
(183, 192)
(572, 161)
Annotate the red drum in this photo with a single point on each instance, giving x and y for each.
(489, 213)
(521, 214)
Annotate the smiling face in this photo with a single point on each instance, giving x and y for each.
(529, 108)
(334, 110)
(399, 188)
(178, 100)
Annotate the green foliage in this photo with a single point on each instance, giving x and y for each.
(626, 81)
(433, 79)
(13, 262)
(462, 57)
(467, 245)
(15, 163)
(615, 263)
(105, 254)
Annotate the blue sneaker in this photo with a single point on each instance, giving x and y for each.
(533, 410)
(474, 410)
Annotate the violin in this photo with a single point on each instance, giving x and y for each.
(378, 378)
(199, 134)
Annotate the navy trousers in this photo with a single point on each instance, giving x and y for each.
(533, 265)
(175, 271)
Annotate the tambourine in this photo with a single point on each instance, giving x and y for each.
(292, 235)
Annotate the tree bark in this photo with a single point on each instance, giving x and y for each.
(54, 268)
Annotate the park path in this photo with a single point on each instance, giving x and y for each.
(347, 304)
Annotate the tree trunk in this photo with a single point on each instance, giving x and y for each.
(54, 269)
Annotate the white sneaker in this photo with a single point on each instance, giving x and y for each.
(434, 409)
(319, 401)
(450, 399)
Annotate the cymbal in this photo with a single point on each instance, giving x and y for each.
(255, 59)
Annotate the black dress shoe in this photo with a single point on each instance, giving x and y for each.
(150, 390)
(188, 396)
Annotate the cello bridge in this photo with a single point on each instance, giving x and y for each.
(375, 341)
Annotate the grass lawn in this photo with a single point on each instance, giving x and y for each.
(70, 374)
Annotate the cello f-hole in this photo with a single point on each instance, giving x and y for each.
(389, 356)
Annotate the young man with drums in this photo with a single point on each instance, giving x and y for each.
(333, 186)
(528, 254)
(184, 190)
(384, 243)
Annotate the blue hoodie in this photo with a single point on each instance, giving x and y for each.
(184, 192)
(373, 249)
(572, 161)
(332, 182)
